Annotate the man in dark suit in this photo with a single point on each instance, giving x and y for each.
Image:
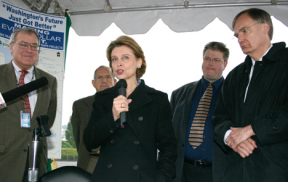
(251, 117)
(198, 161)
(103, 79)
(16, 151)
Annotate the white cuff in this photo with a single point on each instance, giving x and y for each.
(226, 135)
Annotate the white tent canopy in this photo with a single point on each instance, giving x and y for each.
(92, 17)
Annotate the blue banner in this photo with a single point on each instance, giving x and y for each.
(49, 28)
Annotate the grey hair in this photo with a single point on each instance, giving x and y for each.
(102, 66)
(25, 30)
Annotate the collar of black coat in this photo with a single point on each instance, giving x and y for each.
(273, 55)
(140, 96)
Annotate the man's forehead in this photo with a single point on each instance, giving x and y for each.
(23, 35)
(242, 21)
(103, 72)
(214, 52)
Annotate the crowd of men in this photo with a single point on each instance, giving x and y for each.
(227, 130)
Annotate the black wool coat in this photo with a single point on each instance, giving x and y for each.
(265, 109)
(130, 153)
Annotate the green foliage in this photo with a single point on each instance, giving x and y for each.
(69, 154)
(66, 145)
(69, 134)
(69, 151)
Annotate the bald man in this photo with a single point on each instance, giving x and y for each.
(103, 79)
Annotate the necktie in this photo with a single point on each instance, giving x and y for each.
(25, 98)
(198, 123)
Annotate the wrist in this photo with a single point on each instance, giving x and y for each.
(249, 130)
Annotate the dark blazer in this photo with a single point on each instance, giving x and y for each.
(181, 101)
(82, 109)
(14, 139)
(265, 109)
(130, 153)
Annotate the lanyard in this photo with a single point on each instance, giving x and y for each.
(25, 97)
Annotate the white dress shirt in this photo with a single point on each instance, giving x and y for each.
(28, 78)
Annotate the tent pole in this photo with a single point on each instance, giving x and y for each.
(186, 5)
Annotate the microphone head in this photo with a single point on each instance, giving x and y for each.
(25, 89)
(121, 83)
(43, 80)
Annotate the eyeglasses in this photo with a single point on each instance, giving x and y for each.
(244, 31)
(215, 60)
(24, 45)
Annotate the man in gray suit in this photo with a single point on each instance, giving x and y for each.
(199, 159)
(103, 79)
(16, 151)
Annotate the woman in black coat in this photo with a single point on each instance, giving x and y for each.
(129, 153)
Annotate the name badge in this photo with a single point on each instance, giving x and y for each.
(24, 119)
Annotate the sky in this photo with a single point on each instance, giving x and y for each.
(173, 59)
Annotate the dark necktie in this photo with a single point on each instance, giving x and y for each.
(198, 124)
(25, 98)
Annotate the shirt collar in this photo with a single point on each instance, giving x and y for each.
(253, 62)
(217, 84)
(17, 69)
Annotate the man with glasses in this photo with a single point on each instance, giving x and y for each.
(82, 108)
(199, 159)
(251, 117)
(16, 151)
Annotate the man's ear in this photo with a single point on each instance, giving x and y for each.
(266, 28)
(11, 47)
(93, 83)
(225, 64)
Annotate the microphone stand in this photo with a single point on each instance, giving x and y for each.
(33, 172)
(42, 131)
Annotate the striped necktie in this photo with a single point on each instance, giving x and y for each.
(25, 98)
(198, 124)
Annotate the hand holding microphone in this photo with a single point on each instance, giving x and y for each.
(121, 103)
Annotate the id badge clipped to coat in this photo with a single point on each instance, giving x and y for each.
(25, 119)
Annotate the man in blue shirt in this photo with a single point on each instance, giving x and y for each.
(196, 156)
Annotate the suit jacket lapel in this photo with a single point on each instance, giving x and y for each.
(139, 98)
(89, 101)
(87, 109)
(107, 99)
(41, 96)
(139, 94)
(188, 102)
(11, 82)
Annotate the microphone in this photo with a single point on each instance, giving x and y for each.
(22, 90)
(122, 85)
(43, 125)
